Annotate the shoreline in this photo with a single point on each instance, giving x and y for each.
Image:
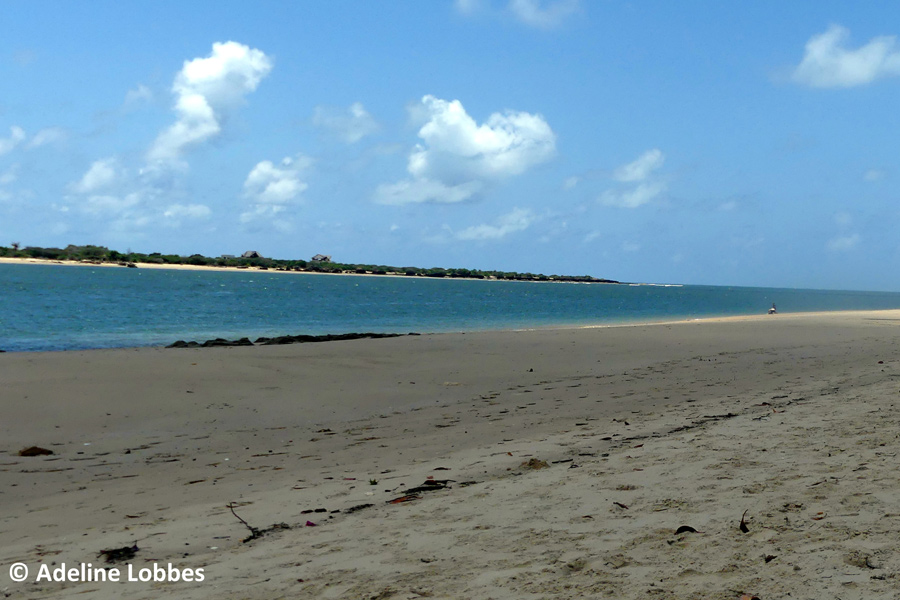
(197, 344)
(885, 314)
(570, 458)
(548, 328)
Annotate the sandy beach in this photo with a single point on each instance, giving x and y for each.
(710, 459)
(177, 267)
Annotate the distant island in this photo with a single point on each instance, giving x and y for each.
(319, 263)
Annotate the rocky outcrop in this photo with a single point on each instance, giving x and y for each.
(303, 339)
(283, 339)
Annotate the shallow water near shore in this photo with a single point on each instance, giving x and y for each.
(55, 307)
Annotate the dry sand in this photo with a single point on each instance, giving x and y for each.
(790, 420)
(176, 267)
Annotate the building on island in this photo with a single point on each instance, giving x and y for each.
(321, 258)
(251, 254)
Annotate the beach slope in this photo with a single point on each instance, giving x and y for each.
(704, 459)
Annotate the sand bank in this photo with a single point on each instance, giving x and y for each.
(72, 263)
(789, 420)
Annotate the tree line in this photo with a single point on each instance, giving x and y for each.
(101, 254)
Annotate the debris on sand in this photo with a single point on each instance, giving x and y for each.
(406, 498)
(119, 554)
(743, 525)
(429, 485)
(35, 451)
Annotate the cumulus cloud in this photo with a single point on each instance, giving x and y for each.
(827, 63)
(543, 15)
(101, 174)
(639, 173)
(349, 125)
(842, 243)
(458, 157)
(457, 148)
(517, 220)
(205, 89)
(272, 188)
(8, 144)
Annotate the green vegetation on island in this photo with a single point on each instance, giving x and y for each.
(318, 264)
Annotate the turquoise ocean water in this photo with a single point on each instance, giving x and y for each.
(56, 307)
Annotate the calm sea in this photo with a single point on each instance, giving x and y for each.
(55, 307)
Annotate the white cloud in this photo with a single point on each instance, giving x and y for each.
(843, 243)
(459, 157)
(271, 189)
(632, 198)
(571, 182)
(349, 125)
(592, 236)
(637, 172)
(187, 211)
(102, 174)
(544, 15)
(457, 148)
(827, 63)
(641, 168)
(413, 191)
(517, 220)
(630, 246)
(204, 89)
(16, 135)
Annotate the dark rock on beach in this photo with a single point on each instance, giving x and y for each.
(302, 339)
(183, 344)
(283, 339)
(223, 342)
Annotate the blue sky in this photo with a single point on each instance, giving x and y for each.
(692, 142)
